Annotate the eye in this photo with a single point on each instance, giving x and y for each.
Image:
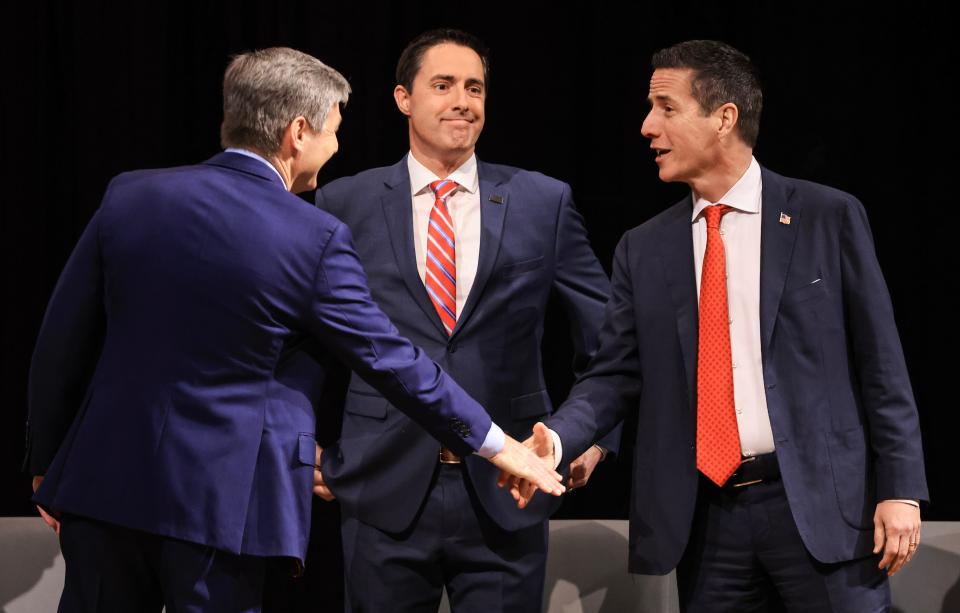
(476, 90)
(441, 86)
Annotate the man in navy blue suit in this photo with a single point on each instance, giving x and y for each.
(463, 256)
(778, 457)
(171, 428)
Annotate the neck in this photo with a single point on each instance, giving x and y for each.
(284, 167)
(722, 176)
(440, 163)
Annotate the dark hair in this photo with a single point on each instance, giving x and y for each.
(412, 57)
(721, 74)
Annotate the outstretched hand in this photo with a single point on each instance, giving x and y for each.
(540, 447)
(526, 471)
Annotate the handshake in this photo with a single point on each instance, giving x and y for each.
(524, 468)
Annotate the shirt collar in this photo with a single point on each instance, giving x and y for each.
(743, 196)
(421, 177)
(251, 154)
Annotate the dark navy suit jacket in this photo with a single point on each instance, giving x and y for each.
(532, 242)
(839, 398)
(169, 372)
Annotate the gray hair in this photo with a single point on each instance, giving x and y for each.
(263, 91)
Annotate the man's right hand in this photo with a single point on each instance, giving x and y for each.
(529, 467)
(320, 487)
(48, 519)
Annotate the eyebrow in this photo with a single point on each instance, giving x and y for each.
(660, 98)
(451, 78)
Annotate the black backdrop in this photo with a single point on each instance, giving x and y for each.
(857, 101)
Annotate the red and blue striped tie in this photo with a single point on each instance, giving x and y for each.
(441, 277)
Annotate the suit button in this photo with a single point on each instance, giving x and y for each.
(452, 348)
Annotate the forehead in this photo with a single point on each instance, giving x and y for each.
(452, 60)
(673, 83)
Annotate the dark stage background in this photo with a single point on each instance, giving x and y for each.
(856, 101)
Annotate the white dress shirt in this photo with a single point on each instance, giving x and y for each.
(464, 208)
(740, 229)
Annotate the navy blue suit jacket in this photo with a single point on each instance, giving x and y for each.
(532, 242)
(839, 398)
(169, 372)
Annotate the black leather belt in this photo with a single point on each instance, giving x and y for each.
(448, 457)
(754, 470)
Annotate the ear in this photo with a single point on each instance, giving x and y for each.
(402, 98)
(295, 134)
(728, 114)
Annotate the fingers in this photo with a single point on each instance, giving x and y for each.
(879, 537)
(899, 524)
(50, 520)
(319, 485)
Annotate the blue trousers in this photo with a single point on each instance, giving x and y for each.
(111, 569)
(453, 544)
(746, 555)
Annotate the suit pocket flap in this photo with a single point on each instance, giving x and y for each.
(308, 449)
(530, 405)
(518, 268)
(368, 406)
(804, 293)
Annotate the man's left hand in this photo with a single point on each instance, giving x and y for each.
(896, 533)
(583, 467)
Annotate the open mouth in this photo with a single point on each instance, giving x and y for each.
(660, 153)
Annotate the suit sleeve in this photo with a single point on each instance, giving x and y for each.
(885, 390)
(66, 353)
(610, 386)
(583, 288)
(346, 319)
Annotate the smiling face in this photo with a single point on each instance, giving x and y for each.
(686, 141)
(445, 106)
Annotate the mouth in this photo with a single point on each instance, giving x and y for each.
(463, 120)
(660, 153)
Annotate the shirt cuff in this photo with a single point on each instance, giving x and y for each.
(913, 503)
(493, 443)
(557, 449)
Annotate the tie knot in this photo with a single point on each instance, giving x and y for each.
(713, 214)
(443, 188)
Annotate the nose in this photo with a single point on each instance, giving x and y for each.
(649, 127)
(460, 100)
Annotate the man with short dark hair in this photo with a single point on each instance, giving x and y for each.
(170, 428)
(778, 455)
(463, 255)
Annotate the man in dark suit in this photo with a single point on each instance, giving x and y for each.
(168, 426)
(778, 449)
(463, 256)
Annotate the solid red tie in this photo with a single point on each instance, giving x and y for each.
(718, 440)
(441, 275)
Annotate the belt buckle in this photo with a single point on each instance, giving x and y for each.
(448, 457)
(747, 460)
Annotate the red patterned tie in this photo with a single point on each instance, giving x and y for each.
(718, 440)
(441, 276)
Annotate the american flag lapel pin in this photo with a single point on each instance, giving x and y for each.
(784, 219)
(496, 199)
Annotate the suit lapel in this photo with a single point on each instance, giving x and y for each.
(676, 249)
(776, 248)
(493, 210)
(398, 213)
